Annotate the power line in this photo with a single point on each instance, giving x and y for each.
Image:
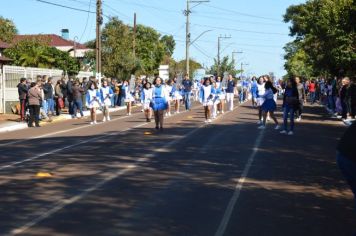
(59, 5)
(86, 23)
(201, 51)
(239, 30)
(242, 13)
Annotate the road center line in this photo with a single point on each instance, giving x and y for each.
(65, 202)
(230, 207)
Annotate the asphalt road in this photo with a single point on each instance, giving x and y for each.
(124, 178)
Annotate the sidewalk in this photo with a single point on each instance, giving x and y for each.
(10, 122)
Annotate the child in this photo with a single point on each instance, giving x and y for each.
(106, 94)
(205, 98)
(146, 98)
(93, 101)
(128, 98)
(269, 105)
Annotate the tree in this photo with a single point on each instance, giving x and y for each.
(7, 30)
(325, 31)
(36, 53)
(150, 50)
(297, 62)
(117, 54)
(225, 66)
(169, 44)
(176, 68)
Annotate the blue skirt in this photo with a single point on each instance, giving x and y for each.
(159, 104)
(269, 105)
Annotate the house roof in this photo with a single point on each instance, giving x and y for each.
(4, 45)
(52, 39)
(4, 59)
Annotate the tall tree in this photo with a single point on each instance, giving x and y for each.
(225, 66)
(7, 30)
(117, 54)
(325, 30)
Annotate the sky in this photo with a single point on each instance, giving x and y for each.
(254, 27)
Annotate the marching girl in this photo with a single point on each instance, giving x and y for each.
(159, 103)
(106, 94)
(221, 96)
(205, 98)
(269, 105)
(216, 92)
(128, 98)
(177, 96)
(93, 101)
(169, 96)
(260, 99)
(146, 98)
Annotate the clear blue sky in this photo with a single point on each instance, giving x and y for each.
(255, 26)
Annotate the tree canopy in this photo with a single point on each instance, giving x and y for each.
(325, 37)
(226, 65)
(7, 30)
(36, 53)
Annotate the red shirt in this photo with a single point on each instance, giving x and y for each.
(312, 87)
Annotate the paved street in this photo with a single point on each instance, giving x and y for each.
(124, 178)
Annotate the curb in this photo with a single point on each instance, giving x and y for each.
(19, 126)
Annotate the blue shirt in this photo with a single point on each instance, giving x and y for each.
(230, 86)
(187, 84)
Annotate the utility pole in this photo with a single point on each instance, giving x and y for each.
(220, 37)
(235, 52)
(242, 64)
(134, 37)
(187, 12)
(99, 21)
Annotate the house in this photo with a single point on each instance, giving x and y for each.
(3, 60)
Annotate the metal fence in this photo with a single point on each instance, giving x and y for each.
(10, 77)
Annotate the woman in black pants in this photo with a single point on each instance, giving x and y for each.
(34, 101)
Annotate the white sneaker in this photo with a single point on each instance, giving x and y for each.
(283, 132)
(277, 127)
(209, 121)
(108, 118)
(169, 114)
(268, 118)
(290, 133)
(95, 122)
(92, 123)
(261, 127)
(222, 112)
(104, 119)
(206, 121)
(298, 119)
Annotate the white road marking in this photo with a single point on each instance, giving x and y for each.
(64, 131)
(66, 147)
(65, 202)
(73, 145)
(230, 207)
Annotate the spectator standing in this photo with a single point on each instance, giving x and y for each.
(49, 93)
(302, 98)
(290, 104)
(59, 98)
(77, 92)
(187, 90)
(22, 90)
(34, 101)
(312, 91)
(343, 98)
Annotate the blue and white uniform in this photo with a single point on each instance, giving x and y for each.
(269, 103)
(260, 92)
(146, 98)
(93, 98)
(159, 101)
(206, 96)
(127, 94)
(105, 95)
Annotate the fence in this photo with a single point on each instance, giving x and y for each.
(11, 75)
